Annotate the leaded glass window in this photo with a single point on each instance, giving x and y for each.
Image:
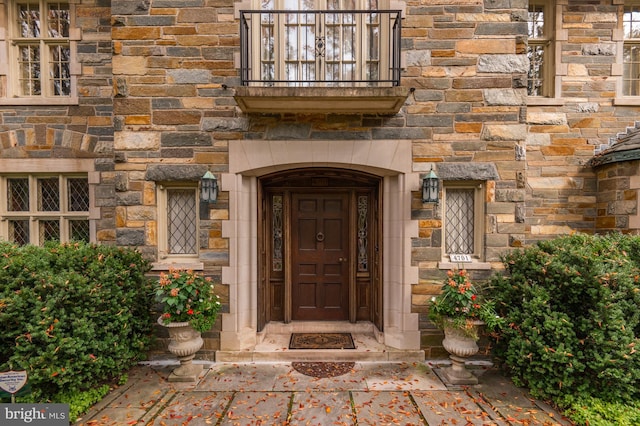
(459, 230)
(363, 233)
(182, 221)
(278, 234)
(463, 219)
(18, 195)
(44, 208)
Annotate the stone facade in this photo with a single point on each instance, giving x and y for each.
(156, 104)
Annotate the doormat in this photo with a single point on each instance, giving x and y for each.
(323, 369)
(321, 341)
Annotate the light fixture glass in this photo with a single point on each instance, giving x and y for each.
(430, 187)
(208, 188)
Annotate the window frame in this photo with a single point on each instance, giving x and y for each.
(64, 215)
(621, 97)
(187, 260)
(548, 43)
(10, 93)
(478, 188)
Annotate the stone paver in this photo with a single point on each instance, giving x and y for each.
(385, 408)
(275, 393)
(243, 377)
(293, 380)
(325, 408)
(444, 408)
(515, 407)
(193, 408)
(401, 376)
(251, 408)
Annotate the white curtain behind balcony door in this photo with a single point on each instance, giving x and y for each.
(317, 49)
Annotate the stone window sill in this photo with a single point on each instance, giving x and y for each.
(186, 264)
(39, 101)
(541, 101)
(627, 100)
(468, 266)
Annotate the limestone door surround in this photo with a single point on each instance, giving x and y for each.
(250, 159)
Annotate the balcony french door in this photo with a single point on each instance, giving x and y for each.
(320, 42)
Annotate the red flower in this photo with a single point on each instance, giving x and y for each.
(190, 312)
(474, 297)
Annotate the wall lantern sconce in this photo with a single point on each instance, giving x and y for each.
(208, 188)
(430, 187)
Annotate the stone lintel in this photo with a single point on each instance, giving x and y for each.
(467, 171)
(175, 173)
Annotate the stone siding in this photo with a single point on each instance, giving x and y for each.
(156, 97)
(465, 61)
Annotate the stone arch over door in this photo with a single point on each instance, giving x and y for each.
(390, 160)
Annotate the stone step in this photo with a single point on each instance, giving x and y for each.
(327, 355)
(274, 347)
(318, 327)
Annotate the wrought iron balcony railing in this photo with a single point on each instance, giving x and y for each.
(320, 48)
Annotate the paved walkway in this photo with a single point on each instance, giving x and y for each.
(277, 394)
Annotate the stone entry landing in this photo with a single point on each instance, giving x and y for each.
(274, 345)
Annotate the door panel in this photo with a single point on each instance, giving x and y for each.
(320, 248)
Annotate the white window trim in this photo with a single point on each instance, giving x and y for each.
(8, 64)
(166, 260)
(60, 167)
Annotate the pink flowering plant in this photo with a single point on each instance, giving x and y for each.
(187, 296)
(460, 306)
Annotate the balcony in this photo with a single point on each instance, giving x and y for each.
(320, 61)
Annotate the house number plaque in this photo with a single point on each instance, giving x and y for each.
(462, 258)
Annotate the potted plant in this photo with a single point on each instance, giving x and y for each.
(190, 307)
(459, 310)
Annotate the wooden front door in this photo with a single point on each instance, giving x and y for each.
(320, 252)
(319, 255)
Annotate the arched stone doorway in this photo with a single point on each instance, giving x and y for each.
(386, 161)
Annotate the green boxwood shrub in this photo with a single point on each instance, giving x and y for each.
(572, 309)
(73, 315)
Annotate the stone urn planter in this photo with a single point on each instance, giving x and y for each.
(460, 346)
(184, 343)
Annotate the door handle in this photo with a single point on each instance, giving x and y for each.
(342, 259)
